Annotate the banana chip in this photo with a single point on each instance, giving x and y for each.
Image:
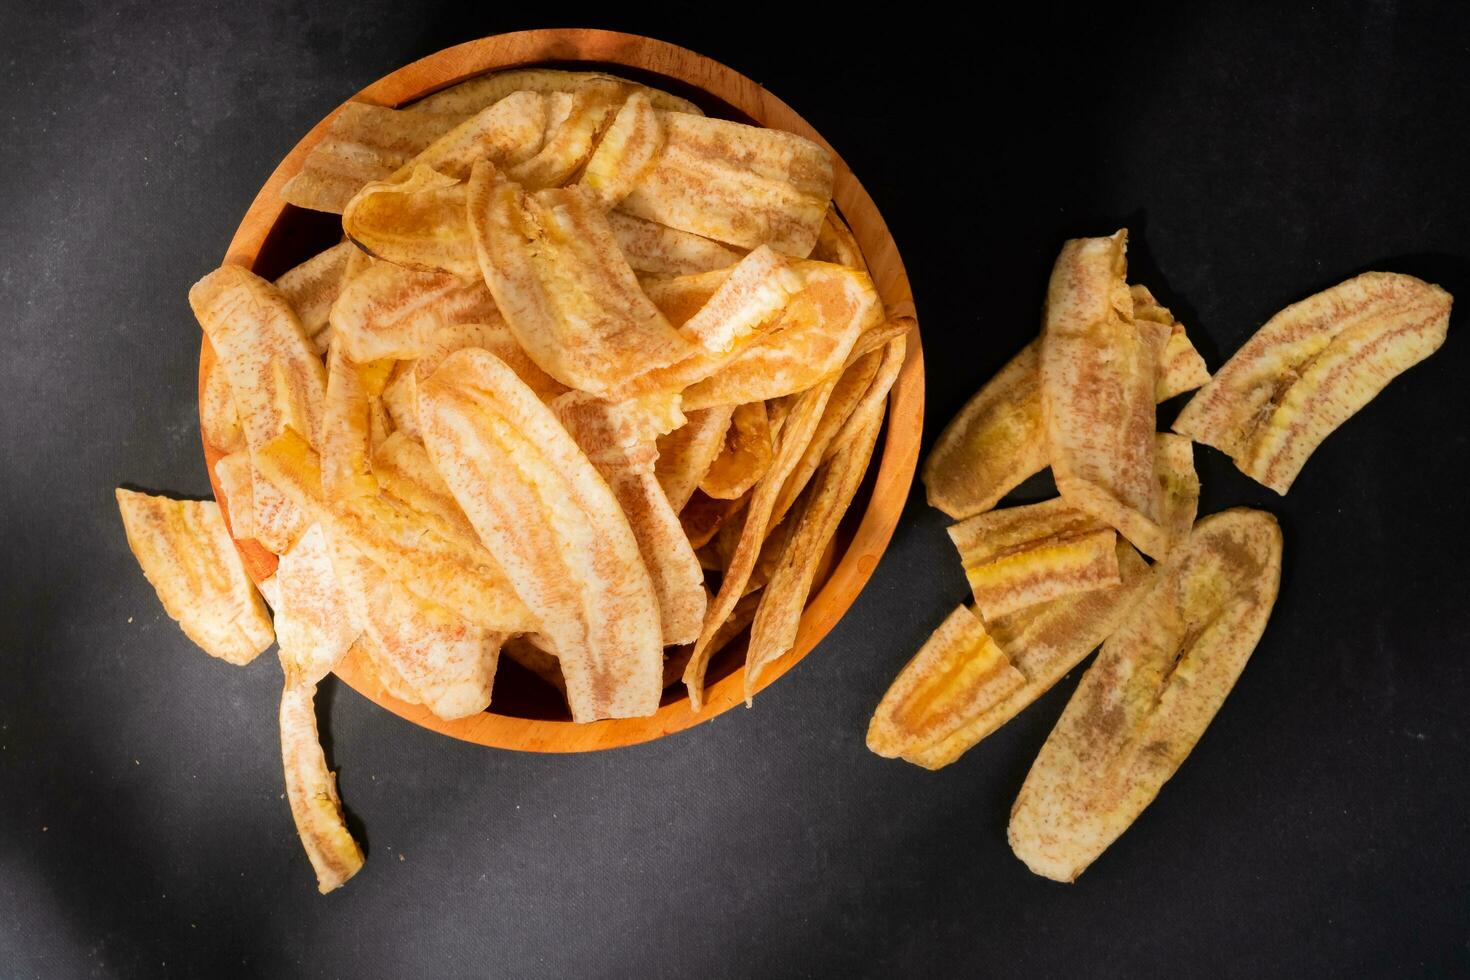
(836, 243)
(417, 222)
(509, 132)
(187, 555)
(312, 791)
(1181, 368)
(1147, 699)
(314, 627)
(236, 477)
(219, 420)
(745, 457)
(353, 395)
(686, 453)
(475, 94)
(572, 137)
(628, 148)
(1311, 368)
(388, 311)
(658, 250)
(554, 526)
(313, 286)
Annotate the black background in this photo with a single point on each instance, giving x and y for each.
(1258, 155)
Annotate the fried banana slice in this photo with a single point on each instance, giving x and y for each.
(686, 454)
(506, 133)
(738, 184)
(362, 143)
(314, 625)
(572, 136)
(619, 440)
(1181, 368)
(390, 311)
(219, 419)
(475, 94)
(847, 395)
(236, 476)
(405, 472)
(417, 222)
(313, 286)
(409, 545)
(745, 457)
(275, 375)
(312, 791)
(1098, 384)
(956, 673)
(353, 393)
(188, 557)
(836, 243)
(1022, 556)
(1178, 486)
(1311, 368)
(658, 250)
(563, 286)
(554, 526)
(1044, 643)
(628, 148)
(1147, 699)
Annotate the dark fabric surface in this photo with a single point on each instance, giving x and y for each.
(1258, 156)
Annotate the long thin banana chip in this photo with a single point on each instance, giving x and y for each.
(555, 528)
(1044, 643)
(314, 626)
(658, 250)
(219, 419)
(1311, 368)
(390, 311)
(1145, 702)
(188, 557)
(1022, 556)
(311, 790)
(313, 286)
(484, 90)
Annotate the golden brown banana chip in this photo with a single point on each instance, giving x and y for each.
(555, 528)
(314, 624)
(1044, 643)
(509, 132)
(1098, 383)
(1311, 368)
(219, 420)
(571, 138)
(236, 476)
(404, 471)
(685, 454)
(390, 311)
(1181, 368)
(703, 517)
(957, 672)
(680, 297)
(409, 545)
(847, 394)
(754, 293)
(312, 791)
(1021, 556)
(417, 222)
(738, 184)
(618, 438)
(836, 244)
(658, 250)
(562, 284)
(628, 148)
(313, 286)
(362, 143)
(188, 557)
(1147, 699)
(347, 431)
(745, 457)
(484, 90)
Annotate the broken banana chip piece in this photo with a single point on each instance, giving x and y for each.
(958, 672)
(188, 557)
(1181, 368)
(1311, 368)
(1022, 556)
(475, 94)
(314, 627)
(1147, 699)
(1044, 643)
(311, 790)
(554, 526)
(417, 222)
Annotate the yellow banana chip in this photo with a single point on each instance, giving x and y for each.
(484, 90)
(188, 557)
(219, 420)
(658, 250)
(314, 626)
(508, 132)
(313, 286)
(1311, 368)
(628, 148)
(353, 393)
(570, 141)
(836, 243)
(388, 311)
(745, 457)
(404, 471)
(554, 526)
(1021, 556)
(1044, 643)
(1147, 699)
(686, 453)
(312, 791)
(417, 222)
(1181, 368)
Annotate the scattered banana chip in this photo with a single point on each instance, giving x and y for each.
(1311, 368)
(1148, 698)
(188, 557)
(312, 791)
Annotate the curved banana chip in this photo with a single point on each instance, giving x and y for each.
(312, 791)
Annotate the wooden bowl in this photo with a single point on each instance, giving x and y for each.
(526, 714)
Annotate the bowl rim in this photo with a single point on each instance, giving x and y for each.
(900, 446)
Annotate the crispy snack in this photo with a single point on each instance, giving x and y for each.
(571, 138)
(686, 453)
(506, 133)
(236, 476)
(1153, 689)
(1311, 368)
(1044, 643)
(313, 286)
(187, 555)
(619, 440)
(628, 148)
(836, 243)
(484, 90)
(312, 791)
(219, 420)
(1181, 368)
(738, 184)
(1098, 384)
(390, 311)
(847, 395)
(408, 544)
(1022, 556)
(353, 393)
(554, 526)
(658, 250)
(745, 457)
(680, 297)
(444, 661)
(755, 292)
(956, 673)
(417, 222)
(362, 143)
(562, 284)
(314, 627)
(275, 376)
(404, 471)
(1178, 485)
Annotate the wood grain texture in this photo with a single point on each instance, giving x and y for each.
(722, 87)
